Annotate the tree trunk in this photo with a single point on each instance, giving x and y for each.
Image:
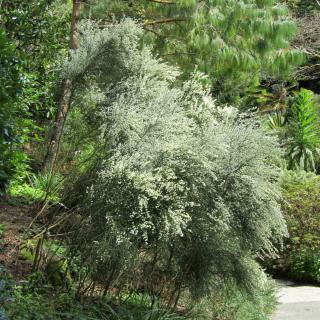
(65, 100)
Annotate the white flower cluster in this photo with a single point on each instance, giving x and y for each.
(177, 171)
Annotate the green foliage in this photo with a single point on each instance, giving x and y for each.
(33, 40)
(305, 266)
(2, 229)
(28, 304)
(232, 303)
(52, 260)
(35, 188)
(302, 213)
(35, 299)
(40, 32)
(276, 121)
(141, 312)
(268, 98)
(297, 125)
(26, 254)
(12, 123)
(235, 42)
(184, 194)
(302, 7)
(304, 130)
(26, 193)
(301, 190)
(5, 286)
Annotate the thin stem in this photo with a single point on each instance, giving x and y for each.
(164, 21)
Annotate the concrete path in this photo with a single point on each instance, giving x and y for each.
(297, 302)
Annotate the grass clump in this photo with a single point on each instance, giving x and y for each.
(35, 188)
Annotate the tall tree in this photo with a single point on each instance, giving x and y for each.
(235, 42)
(66, 93)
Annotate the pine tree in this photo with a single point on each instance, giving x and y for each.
(65, 99)
(235, 42)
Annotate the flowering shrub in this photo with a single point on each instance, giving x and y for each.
(185, 194)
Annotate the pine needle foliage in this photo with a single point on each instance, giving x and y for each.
(185, 194)
(235, 42)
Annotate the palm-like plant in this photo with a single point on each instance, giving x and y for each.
(277, 121)
(269, 99)
(304, 131)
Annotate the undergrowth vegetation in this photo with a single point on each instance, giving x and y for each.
(36, 188)
(35, 298)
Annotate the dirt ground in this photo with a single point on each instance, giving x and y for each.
(16, 220)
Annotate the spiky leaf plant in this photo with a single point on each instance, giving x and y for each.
(305, 132)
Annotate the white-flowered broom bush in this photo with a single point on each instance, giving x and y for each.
(185, 195)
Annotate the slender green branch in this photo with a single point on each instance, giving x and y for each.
(164, 21)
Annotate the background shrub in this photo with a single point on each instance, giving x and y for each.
(302, 212)
(10, 156)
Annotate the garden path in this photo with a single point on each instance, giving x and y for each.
(297, 302)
